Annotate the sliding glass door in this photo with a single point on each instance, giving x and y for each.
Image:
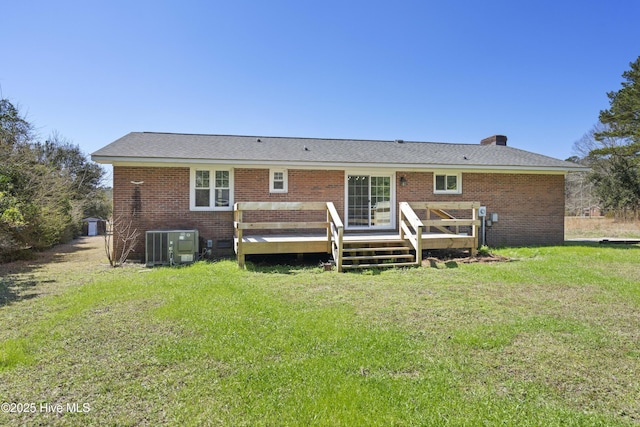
(369, 201)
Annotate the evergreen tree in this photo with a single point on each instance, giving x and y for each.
(616, 161)
(623, 116)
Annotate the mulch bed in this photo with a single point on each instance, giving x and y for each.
(451, 258)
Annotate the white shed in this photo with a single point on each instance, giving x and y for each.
(94, 226)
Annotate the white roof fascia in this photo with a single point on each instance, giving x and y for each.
(412, 167)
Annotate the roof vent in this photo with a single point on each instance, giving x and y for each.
(400, 141)
(258, 140)
(494, 140)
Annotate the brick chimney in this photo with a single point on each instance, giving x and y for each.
(494, 140)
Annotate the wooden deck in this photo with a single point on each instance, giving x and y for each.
(318, 241)
(357, 249)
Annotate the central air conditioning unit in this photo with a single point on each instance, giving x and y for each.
(171, 247)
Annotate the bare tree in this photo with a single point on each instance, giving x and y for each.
(580, 199)
(120, 239)
(613, 183)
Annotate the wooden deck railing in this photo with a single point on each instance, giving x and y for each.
(416, 231)
(448, 224)
(446, 221)
(333, 226)
(335, 234)
(411, 229)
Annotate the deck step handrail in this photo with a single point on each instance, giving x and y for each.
(335, 234)
(411, 229)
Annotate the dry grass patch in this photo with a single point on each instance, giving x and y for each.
(595, 227)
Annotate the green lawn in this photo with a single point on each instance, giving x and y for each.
(551, 338)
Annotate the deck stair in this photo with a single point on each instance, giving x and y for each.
(369, 253)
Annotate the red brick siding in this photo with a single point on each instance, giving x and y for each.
(252, 185)
(165, 204)
(530, 206)
(164, 199)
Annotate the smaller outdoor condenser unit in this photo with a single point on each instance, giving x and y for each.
(171, 247)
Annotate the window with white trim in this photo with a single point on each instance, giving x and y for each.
(203, 189)
(278, 181)
(447, 183)
(211, 189)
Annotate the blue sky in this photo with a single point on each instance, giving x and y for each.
(536, 71)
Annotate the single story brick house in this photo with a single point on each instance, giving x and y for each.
(185, 181)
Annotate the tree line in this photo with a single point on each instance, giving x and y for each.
(611, 149)
(46, 187)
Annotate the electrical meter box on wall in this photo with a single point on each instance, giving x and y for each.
(171, 247)
(482, 211)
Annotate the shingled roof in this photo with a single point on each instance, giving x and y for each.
(152, 147)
